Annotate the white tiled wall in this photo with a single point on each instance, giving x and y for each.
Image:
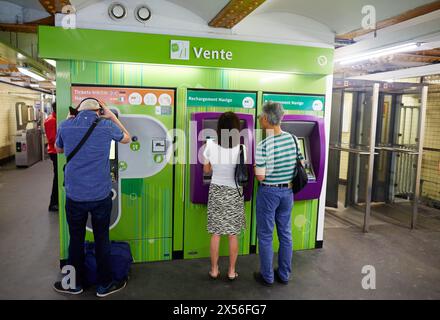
(9, 96)
(431, 159)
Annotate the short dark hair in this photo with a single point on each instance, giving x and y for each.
(54, 107)
(228, 121)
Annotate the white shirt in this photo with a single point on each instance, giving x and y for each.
(223, 162)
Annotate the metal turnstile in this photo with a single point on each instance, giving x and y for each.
(384, 143)
(28, 139)
(27, 147)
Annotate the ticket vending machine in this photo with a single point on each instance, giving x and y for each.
(143, 163)
(304, 118)
(309, 131)
(204, 108)
(141, 171)
(206, 126)
(146, 184)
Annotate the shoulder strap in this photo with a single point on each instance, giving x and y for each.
(240, 161)
(240, 154)
(296, 145)
(83, 140)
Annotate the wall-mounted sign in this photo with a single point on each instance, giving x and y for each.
(296, 102)
(109, 45)
(227, 99)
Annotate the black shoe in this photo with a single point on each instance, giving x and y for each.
(278, 278)
(58, 287)
(113, 287)
(259, 278)
(53, 208)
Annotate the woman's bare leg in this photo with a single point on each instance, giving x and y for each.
(215, 243)
(233, 254)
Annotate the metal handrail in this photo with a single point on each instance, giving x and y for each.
(351, 150)
(399, 150)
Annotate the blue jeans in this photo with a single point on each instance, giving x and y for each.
(77, 214)
(274, 206)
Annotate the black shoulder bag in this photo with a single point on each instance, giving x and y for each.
(81, 143)
(300, 179)
(241, 171)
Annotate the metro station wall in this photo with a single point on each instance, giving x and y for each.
(144, 75)
(431, 154)
(9, 96)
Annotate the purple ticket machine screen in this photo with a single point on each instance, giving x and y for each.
(199, 182)
(309, 130)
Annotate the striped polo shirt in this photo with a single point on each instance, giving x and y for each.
(276, 156)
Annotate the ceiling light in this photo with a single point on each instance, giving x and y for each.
(142, 14)
(20, 56)
(54, 83)
(51, 62)
(30, 74)
(34, 85)
(379, 53)
(117, 11)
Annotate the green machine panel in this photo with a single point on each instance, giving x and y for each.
(204, 102)
(304, 212)
(142, 171)
(170, 224)
(185, 217)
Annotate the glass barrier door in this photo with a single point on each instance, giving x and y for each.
(352, 138)
(383, 178)
(334, 156)
(358, 160)
(376, 144)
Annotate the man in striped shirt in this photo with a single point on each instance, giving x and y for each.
(275, 167)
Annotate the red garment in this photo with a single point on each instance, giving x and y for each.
(50, 126)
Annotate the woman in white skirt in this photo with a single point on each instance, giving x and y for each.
(225, 201)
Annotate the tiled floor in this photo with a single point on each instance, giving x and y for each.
(407, 262)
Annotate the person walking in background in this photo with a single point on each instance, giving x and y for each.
(50, 127)
(88, 189)
(274, 168)
(225, 200)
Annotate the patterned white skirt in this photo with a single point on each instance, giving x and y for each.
(225, 210)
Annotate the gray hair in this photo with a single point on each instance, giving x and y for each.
(274, 112)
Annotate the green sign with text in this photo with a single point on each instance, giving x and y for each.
(296, 102)
(130, 47)
(226, 99)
